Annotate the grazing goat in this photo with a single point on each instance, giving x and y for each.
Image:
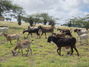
(65, 31)
(22, 45)
(64, 42)
(46, 29)
(11, 37)
(83, 34)
(59, 35)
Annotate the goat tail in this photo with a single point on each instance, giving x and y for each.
(29, 49)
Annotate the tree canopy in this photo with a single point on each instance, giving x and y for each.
(13, 10)
(7, 6)
(78, 22)
(43, 18)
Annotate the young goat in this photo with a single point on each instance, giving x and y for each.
(21, 45)
(11, 37)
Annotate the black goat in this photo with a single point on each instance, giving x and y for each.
(33, 30)
(63, 42)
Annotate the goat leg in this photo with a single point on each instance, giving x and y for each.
(17, 40)
(81, 41)
(30, 50)
(71, 51)
(76, 51)
(22, 52)
(14, 51)
(31, 35)
(45, 35)
(10, 42)
(18, 50)
(27, 52)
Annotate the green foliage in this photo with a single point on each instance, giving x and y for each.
(6, 6)
(78, 22)
(43, 18)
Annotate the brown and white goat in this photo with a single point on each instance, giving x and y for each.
(11, 37)
(22, 45)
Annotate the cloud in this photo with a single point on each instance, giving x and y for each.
(58, 8)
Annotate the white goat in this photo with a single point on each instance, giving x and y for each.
(21, 45)
(83, 34)
(3, 29)
(11, 37)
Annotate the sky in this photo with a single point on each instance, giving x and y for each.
(62, 9)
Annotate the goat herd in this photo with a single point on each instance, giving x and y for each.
(62, 39)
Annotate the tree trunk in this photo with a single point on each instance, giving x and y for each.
(31, 22)
(45, 21)
(19, 20)
(0, 14)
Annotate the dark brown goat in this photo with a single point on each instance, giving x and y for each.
(64, 42)
(65, 31)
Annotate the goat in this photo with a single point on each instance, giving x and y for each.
(59, 35)
(63, 42)
(65, 31)
(32, 30)
(83, 34)
(46, 29)
(81, 31)
(11, 37)
(21, 45)
(4, 29)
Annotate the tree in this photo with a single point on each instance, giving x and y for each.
(43, 18)
(8, 19)
(78, 22)
(31, 20)
(6, 6)
(45, 21)
(52, 22)
(19, 19)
